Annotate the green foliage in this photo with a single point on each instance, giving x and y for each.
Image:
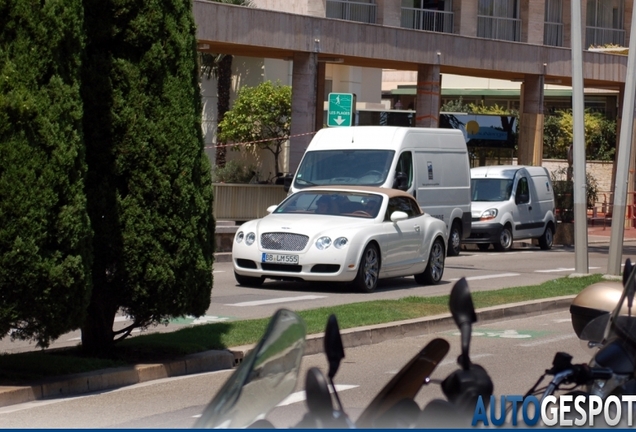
(44, 227)
(149, 184)
(261, 113)
(233, 172)
(564, 192)
(600, 136)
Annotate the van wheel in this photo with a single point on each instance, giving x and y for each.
(434, 270)
(369, 270)
(505, 240)
(546, 240)
(454, 240)
(248, 281)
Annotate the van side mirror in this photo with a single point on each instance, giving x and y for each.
(287, 181)
(401, 181)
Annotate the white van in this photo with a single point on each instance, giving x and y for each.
(511, 202)
(431, 164)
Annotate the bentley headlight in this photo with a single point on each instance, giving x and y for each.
(249, 238)
(340, 242)
(239, 236)
(489, 214)
(323, 243)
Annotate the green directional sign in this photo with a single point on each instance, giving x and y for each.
(340, 110)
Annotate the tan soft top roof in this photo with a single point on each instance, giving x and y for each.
(365, 189)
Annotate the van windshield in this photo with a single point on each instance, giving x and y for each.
(344, 167)
(484, 189)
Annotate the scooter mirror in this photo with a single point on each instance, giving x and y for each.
(317, 392)
(333, 345)
(463, 311)
(627, 270)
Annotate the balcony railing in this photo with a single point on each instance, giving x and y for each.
(553, 34)
(352, 11)
(426, 19)
(599, 36)
(499, 28)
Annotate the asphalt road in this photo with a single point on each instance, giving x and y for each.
(484, 270)
(515, 352)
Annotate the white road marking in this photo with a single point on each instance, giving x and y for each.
(301, 396)
(563, 320)
(494, 276)
(218, 271)
(276, 300)
(561, 269)
(546, 341)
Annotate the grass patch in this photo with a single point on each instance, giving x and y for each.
(16, 369)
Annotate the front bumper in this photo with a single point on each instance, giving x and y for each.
(484, 233)
(329, 265)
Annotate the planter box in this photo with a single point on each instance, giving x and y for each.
(564, 234)
(242, 202)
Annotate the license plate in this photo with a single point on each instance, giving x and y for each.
(279, 258)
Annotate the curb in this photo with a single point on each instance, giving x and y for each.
(208, 361)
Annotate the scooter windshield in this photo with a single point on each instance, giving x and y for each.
(266, 376)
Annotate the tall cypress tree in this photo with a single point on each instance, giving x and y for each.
(149, 186)
(44, 227)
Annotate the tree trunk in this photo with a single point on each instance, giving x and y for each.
(223, 87)
(97, 330)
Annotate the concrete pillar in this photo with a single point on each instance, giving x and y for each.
(428, 99)
(567, 24)
(389, 13)
(303, 119)
(532, 16)
(531, 121)
(465, 17)
(629, 10)
(320, 95)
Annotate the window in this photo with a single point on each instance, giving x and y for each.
(604, 22)
(405, 166)
(522, 196)
(360, 10)
(431, 15)
(553, 26)
(498, 19)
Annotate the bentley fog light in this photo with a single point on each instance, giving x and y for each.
(239, 236)
(488, 214)
(323, 243)
(340, 242)
(249, 238)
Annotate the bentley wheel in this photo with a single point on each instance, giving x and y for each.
(369, 270)
(434, 271)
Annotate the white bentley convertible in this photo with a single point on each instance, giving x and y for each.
(341, 234)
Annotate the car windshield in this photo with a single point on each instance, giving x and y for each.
(352, 204)
(340, 167)
(490, 189)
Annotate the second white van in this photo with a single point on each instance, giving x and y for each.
(431, 164)
(511, 202)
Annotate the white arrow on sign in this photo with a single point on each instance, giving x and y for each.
(339, 120)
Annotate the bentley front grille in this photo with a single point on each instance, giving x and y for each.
(284, 241)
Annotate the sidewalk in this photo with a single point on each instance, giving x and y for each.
(109, 379)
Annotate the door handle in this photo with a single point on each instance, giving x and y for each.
(529, 207)
(417, 228)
